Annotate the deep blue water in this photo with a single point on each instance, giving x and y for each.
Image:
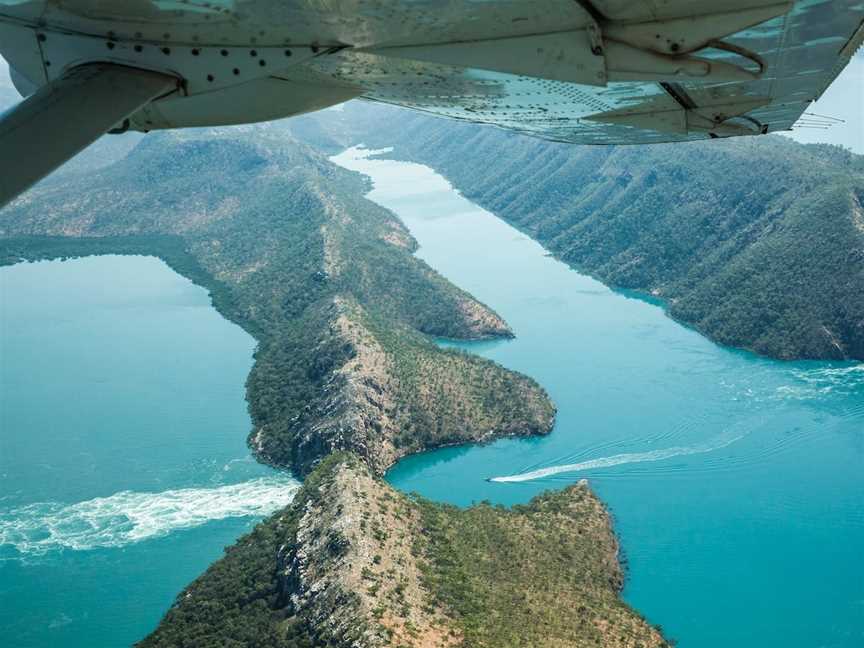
(123, 464)
(736, 482)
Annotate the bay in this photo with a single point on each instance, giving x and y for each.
(123, 464)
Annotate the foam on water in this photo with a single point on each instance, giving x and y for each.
(821, 383)
(850, 375)
(716, 443)
(127, 517)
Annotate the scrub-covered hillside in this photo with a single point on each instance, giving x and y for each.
(757, 242)
(353, 563)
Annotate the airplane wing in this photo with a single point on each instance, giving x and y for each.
(581, 71)
(662, 71)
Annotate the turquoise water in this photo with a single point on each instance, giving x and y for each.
(736, 483)
(123, 464)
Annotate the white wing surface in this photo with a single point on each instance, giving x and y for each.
(582, 71)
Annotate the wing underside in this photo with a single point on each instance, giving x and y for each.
(582, 71)
(786, 62)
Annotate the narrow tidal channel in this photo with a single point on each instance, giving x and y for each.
(736, 482)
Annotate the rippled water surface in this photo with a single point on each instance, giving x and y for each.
(736, 483)
(123, 464)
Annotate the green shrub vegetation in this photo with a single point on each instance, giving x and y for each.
(542, 574)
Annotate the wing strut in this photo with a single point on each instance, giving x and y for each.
(63, 117)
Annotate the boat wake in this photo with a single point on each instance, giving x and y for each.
(128, 517)
(711, 445)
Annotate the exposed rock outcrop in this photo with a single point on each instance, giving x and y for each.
(353, 563)
(387, 396)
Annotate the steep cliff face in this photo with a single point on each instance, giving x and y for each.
(353, 563)
(754, 241)
(352, 571)
(391, 392)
